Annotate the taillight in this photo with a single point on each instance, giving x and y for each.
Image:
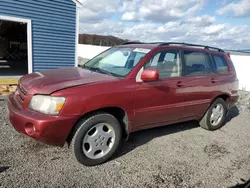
(230, 64)
(228, 54)
(230, 70)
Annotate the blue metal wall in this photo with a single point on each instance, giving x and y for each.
(53, 30)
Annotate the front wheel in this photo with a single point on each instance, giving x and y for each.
(215, 115)
(96, 139)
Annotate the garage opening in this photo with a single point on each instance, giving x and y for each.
(13, 48)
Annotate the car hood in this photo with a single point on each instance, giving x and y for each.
(49, 81)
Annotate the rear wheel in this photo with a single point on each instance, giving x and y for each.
(96, 139)
(215, 115)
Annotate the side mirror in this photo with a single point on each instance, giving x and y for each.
(150, 75)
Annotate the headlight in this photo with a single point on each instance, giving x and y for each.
(47, 104)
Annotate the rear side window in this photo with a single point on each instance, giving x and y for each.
(220, 64)
(197, 63)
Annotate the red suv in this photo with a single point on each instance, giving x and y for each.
(127, 88)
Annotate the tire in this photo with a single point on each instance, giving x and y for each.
(206, 122)
(90, 133)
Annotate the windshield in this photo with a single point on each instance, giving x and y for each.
(116, 61)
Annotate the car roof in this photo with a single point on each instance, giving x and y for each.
(170, 44)
(139, 45)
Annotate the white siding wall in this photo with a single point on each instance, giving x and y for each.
(241, 63)
(89, 51)
(242, 66)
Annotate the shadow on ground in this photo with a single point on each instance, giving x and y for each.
(3, 169)
(245, 184)
(142, 137)
(234, 112)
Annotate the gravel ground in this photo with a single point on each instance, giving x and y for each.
(181, 155)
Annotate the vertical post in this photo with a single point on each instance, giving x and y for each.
(29, 44)
(77, 35)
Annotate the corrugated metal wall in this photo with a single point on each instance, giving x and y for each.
(53, 28)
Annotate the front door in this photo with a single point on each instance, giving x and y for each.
(161, 101)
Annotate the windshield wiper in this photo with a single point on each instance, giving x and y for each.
(97, 69)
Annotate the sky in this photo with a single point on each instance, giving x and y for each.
(220, 23)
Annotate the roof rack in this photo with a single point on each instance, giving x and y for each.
(178, 43)
(135, 42)
(187, 44)
(132, 42)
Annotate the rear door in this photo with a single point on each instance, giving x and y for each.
(199, 82)
(222, 73)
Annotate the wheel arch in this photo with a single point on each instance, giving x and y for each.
(224, 96)
(119, 113)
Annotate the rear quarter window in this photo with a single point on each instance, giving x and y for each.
(220, 64)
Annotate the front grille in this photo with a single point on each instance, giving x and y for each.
(22, 90)
(20, 95)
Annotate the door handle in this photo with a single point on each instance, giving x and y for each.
(213, 80)
(180, 84)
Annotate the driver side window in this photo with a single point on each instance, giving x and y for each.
(168, 64)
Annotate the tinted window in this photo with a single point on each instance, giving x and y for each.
(197, 63)
(220, 64)
(167, 62)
